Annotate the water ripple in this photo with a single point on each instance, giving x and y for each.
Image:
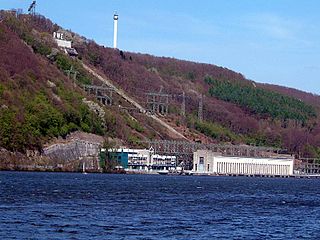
(73, 206)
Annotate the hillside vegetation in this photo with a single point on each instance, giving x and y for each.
(261, 101)
(38, 101)
(236, 110)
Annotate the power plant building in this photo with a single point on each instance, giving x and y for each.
(143, 160)
(209, 162)
(146, 160)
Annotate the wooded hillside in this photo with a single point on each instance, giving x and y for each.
(39, 102)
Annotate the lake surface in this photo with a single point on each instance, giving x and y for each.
(96, 206)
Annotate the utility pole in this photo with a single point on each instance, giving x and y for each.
(200, 110)
(75, 78)
(74, 72)
(183, 105)
(69, 71)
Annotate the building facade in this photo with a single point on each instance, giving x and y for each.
(163, 162)
(139, 159)
(208, 162)
(143, 160)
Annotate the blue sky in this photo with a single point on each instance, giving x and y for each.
(271, 41)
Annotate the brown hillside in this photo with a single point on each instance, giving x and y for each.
(236, 110)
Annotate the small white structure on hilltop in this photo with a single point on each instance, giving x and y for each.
(60, 40)
(209, 162)
(115, 30)
(66, 45)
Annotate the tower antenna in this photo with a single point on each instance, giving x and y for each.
(115, 30)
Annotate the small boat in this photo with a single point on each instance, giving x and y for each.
(163, 172)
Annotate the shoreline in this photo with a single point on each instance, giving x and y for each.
(296, 176)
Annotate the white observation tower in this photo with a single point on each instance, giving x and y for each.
(115, 30)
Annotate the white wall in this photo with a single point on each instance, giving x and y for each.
(241, 165)
(63, 43)
(208, 161)
(253, 166)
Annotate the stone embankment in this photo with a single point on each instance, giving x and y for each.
(77, 151)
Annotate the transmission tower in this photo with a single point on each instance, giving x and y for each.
(32, 8)
(158, 102)
(74, 72)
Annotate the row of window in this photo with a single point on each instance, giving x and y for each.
(253, 168)
(246, 168)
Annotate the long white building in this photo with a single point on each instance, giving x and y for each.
(208, 162)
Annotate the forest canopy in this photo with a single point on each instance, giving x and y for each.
(261, 101)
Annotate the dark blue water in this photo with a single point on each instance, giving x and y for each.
(93, 206)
